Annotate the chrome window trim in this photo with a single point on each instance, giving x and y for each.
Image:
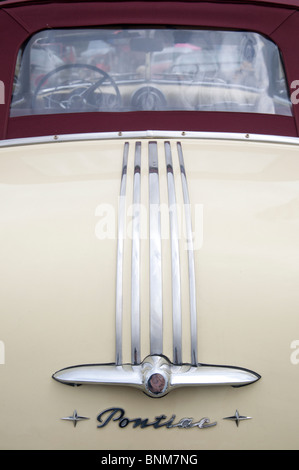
(150, 134)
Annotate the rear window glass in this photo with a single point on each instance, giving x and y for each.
(123, 70)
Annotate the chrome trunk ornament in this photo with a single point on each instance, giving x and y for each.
(156, 375)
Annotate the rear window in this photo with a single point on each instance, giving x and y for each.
(157, 69)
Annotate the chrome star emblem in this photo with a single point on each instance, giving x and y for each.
(237, 417)
(75, 418)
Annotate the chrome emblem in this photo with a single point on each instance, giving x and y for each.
(119, 416)
(75, 418)
(156, 375)
(237, 417)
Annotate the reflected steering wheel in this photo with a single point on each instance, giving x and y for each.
(84, 95)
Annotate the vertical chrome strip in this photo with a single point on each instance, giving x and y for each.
(175, 259)
(119, 267)
(135, 289)
(156, 307)
(192, 287)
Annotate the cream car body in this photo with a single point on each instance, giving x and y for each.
(68, 250)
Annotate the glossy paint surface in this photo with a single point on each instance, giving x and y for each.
(58, 238)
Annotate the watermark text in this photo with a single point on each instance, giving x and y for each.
(2, 92)
(2, 353)
(295, 353)
(175, 222)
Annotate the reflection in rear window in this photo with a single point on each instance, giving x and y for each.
(123, 70)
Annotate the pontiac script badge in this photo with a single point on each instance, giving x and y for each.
(118, 415)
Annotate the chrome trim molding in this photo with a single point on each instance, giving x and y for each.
(120, 254)
(156, 301)
(175, 259)
(150, 134)
(135, 288)
(156, 375)
(192, 286)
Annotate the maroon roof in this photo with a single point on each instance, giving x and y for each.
(20, 19)
(282, 3)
